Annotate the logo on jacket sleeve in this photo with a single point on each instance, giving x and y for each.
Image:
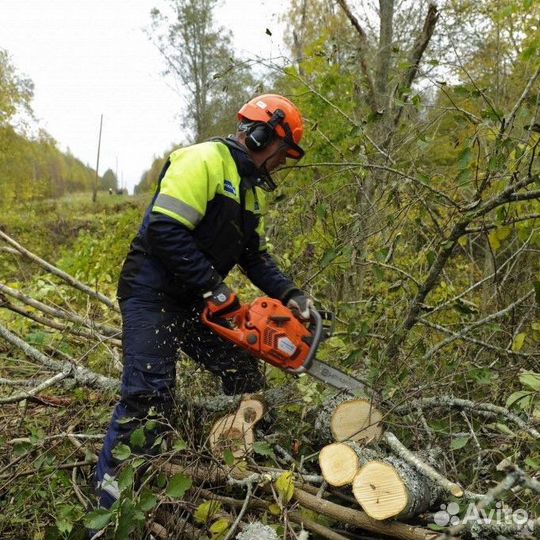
(229, 188)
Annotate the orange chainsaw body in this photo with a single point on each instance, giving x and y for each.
(268, 330)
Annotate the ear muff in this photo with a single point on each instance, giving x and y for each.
(260, 135)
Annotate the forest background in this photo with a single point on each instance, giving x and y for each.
(414, 217)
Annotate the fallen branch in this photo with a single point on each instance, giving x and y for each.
(321, 506)
(421, 466)
(59, 326)
(59, 273)
(473, 406)
(81, 374)
(31, 393)
(360, 519)
(59, 314)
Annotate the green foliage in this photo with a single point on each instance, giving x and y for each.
(199, 55)
(15, 91)
(178, 485)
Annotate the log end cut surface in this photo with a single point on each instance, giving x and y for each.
(380, 491)
(338, 463)
(356, 420)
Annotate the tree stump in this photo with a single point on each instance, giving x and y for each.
(234, 432)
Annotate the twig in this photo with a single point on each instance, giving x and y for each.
(81, 374)
(59, 326)
(79, 494)
(503, 486)
(363, 41)
(60, 314)
(59, 273)
(473, 406)
(476, 324)
(425, 469)
(71, 436)
(511, 117)
(240, 515)
(30, 393)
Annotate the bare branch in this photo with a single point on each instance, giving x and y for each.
(30, 393)
(510, 121)
(81, 374)
(362, 39)
(417, 52)
(445, 330)
(59, 273)
(60, 314)
(59, 326)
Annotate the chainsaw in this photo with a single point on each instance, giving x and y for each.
(269, 331)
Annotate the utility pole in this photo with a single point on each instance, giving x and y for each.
(94, 194)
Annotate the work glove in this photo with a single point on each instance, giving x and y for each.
(221, 300)
(300, 304)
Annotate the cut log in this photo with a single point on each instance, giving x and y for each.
(340, 462)
(391, 488)
(346, 419)
(235, 431)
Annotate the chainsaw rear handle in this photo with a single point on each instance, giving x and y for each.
(317, 336)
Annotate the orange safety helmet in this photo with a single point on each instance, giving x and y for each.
(280, 117)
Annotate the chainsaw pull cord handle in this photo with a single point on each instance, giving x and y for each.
(317, 335)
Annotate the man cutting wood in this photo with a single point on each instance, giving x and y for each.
(206, 216)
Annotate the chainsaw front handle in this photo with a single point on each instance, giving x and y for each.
(317, 335)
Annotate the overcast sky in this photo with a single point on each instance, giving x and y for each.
(88, 57)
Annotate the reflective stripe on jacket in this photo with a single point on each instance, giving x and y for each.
(205, 217)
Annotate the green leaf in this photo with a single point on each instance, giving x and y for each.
(263, 448)
(228, 457)
(150, 425)
(517, 397)
(530, 380)
(178, 485)
(206, 511)
(274, 509)
(494, 241)
(518, 342)
(21, 448)
(465, 158)
(147, 501)
(329, 256)
(430, 257)
(121, 451)
(125, 478)
(285, 486)
(137, 438)
(503, 428)
(179, 445)
(459, 442)
(219, 527)
(98, 519)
